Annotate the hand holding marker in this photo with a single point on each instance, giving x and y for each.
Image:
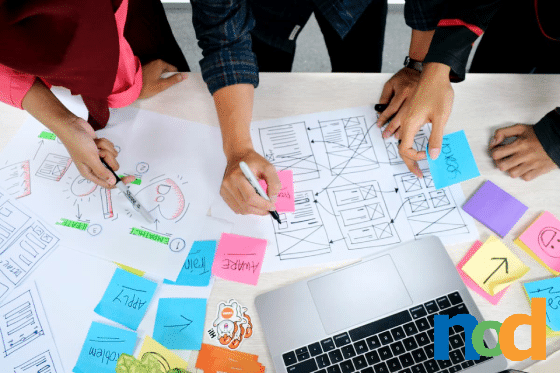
(255, 184)
(124, 188)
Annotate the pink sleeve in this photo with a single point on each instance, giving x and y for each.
(14, 86)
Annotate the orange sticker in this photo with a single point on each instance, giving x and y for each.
(227, 313)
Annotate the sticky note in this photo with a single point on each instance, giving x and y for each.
(494, 266)
(285, 201)
(542, 241)
(180, 323)
(166, 357)
(137, 272)
(126, 299)
(239, 258)
(102, 348)
(455, 163)
(473, 285)
(549, 289)
(197, 269)
(495, 208)
(213, 359)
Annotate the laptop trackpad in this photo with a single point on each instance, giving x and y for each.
(359, 293)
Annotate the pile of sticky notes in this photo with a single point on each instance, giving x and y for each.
(495, 208)
(285, 200)
(493, 267)
(542, 241)
(212, 359)
(239, 258)
(455, 163)
(126, 299)
(549, 289)
(180, 323)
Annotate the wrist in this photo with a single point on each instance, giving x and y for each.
(438, 71)
(237, 149)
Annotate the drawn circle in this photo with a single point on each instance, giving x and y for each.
(81, 187)
(160, 198)
(177, 244)
(142, 167)
(94, 229)
(118, 148)
(227, 313)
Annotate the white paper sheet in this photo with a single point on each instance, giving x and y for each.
(26, 341)
(345, 181)
(24, 241)
(72, 284)
(180, 165)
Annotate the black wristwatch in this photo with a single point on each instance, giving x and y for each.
(413, 64)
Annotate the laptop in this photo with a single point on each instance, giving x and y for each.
(373, 316)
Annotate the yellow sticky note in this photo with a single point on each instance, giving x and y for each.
(167, 359)
(493, 267)
(135, 271)
(551, 333)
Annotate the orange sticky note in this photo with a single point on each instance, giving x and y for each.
(213, 359)
(239, 258)
(285, 201)
(542, 241)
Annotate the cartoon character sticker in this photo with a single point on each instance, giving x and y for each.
(549, 240)
(232, 324)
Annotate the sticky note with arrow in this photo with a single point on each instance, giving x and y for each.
(494, 266)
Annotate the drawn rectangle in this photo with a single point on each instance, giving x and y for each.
(287, 147)
(420, 141)
(439, 198)
(362, 214)
(16, 179)
(54, 166)
(354, 194)
(371, 233)
(42, 363)
(302, 233)
(12, 220)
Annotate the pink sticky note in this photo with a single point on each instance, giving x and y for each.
(543, 238)
(239, 258)
(285, 201)
(473, 285)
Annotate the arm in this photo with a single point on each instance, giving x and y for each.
(229, 68)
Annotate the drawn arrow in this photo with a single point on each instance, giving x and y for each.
(79, 216)
(504, 261)
(311, 129)
(184, 326)
(41, 143)
(319, 203)
(340, 239)
(399, 210)
(156, 221)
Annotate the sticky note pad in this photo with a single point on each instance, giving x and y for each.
(137, 272)
(180, 323)
(473, 285)
(198, 267)
(102, 348)
(542, 241)
(218, 359)
(493, 267)
(549, 289)
(285, 201)
(455, 163)
(495, 208)
(126, 299)
(172, 361)
(239, 258)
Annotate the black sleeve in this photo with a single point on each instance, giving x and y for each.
(548, 132)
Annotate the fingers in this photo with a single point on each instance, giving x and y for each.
(394, 106)
(87, 173)
(410, 156)
(392, 127)
(436, 138)
(166, 67)
(250, 197)
(273, 183)
(107, 145)
(128, 179)
(521, 169)
(101, 172)
(533, 174)
(510, 162)
(165, 83)
(501, 152)
(503, 133)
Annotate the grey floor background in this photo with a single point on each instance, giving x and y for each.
(311, 52)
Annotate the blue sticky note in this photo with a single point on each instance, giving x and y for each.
(180, 323)
(126, 299)
(549, 289)
(455, 163)
(102, 348)
(198, 267)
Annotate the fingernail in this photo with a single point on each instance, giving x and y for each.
(493, 142)
(385, 135)
(273, 199)
(434, 153)
(184, 76)
(111, 180)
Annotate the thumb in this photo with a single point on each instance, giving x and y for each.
(386, 94)
(503, 133)
(165, 83)
(272, 181)
(101, 172)
(436, 138)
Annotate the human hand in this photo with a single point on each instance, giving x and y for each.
(524, 157)
(238, 193)
(396, 93)
(153, 83)
(85, 148)
(431, 102)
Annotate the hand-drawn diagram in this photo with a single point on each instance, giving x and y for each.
(420, 142)
(429, 211)
(362, 215)
(302, 233)
(284, 146)
(12, 219)
(42, 363)
(16, 179)
(163, 198)
(54, 167)
(19, 323)
(348, 145)
(548, 237)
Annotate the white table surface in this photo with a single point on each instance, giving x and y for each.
(483, 103)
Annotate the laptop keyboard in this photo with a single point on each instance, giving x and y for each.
(403, 343)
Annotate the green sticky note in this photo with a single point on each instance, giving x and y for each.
(47, 135)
